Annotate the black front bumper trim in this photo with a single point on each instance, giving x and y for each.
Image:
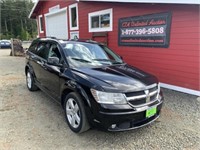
(135, 125)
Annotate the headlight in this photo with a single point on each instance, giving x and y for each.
(108, 98)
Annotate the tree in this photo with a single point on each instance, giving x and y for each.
(14, 19)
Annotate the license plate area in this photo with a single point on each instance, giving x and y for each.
(151, 112)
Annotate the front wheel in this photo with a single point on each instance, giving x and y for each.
(75, 113)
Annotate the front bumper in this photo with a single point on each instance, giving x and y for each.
(127, 120)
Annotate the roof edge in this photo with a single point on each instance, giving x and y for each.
(196, 2)
(150, 1)
(30, 14)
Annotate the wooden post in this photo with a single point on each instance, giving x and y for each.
(12, 47)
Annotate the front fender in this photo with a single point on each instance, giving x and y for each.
(72, 86)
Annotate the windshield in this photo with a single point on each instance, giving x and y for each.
(89, 55)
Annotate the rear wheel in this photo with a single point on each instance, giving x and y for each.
(75, 113)
(30, 82)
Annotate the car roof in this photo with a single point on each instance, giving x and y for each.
(4, 41)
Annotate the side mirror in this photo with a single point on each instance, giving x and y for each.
(53, 60)
(121, 57)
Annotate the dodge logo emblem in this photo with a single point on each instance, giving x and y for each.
(147, 96)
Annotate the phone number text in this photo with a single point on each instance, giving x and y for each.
(143, 31)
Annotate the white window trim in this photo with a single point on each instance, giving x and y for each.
(98, 13)
(70, 17)
(39, 22)
(38, 30)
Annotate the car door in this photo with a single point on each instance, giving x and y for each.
(39, 61)
(51, 72)
(36, 59)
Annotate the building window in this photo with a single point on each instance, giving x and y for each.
(101, 21)
(41, 24)
(73, 16)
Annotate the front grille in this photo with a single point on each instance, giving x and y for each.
(134, 93)
(143, 97)
(138, 101)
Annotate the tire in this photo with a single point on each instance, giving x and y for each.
(75, 113)
(30, 82)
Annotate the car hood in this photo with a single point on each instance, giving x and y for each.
(121, 78)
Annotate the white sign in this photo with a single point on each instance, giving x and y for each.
(74, 35)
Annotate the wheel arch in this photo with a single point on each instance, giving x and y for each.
(68, 88)
(26, 69)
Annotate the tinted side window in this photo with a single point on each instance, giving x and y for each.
(32, 48)
(43, 50)
(54, 51)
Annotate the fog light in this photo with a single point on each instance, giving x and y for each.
(113, 126)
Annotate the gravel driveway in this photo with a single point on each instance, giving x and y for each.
(31, 120)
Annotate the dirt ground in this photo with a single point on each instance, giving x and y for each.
(31, 120)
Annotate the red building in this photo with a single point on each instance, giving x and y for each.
(160, 37)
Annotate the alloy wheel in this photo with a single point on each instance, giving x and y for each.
(73, 113)
(29, 80)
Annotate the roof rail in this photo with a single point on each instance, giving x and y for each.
(82, 40)
(51, 37)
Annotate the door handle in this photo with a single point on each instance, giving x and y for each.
(41, 63)
(32, 57)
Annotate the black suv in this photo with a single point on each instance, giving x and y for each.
(93, 84)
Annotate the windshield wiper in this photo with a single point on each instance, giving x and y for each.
(116, 62)
(113, 61)
(81, 60)
(101, 59)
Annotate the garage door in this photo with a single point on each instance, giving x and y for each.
(56, 24)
